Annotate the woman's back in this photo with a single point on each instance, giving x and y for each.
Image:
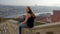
(30, 22)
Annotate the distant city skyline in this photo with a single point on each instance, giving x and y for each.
(31, 2)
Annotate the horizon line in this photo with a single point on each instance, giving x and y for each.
(28, 5)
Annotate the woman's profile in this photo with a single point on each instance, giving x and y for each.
(29, 20)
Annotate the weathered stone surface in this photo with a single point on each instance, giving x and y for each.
(11, 28)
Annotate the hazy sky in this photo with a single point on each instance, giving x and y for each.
(31, 2)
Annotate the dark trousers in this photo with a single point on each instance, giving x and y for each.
(22, 26)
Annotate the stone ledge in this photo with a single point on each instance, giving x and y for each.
(27, 31)
(47, 25)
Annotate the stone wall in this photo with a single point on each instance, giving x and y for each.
(53, 28)
(44, 30)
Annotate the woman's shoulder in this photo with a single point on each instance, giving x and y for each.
(28, 15)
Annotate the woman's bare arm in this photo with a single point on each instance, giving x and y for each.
(18, 17)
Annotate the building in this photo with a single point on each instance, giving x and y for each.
(52, 18)
(44, 17)
(56, 16)
(40, 18)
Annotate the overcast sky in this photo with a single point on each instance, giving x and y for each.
(31, 2)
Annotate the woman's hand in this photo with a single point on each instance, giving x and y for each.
(22, 23)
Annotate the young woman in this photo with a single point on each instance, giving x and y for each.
(29, 20)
